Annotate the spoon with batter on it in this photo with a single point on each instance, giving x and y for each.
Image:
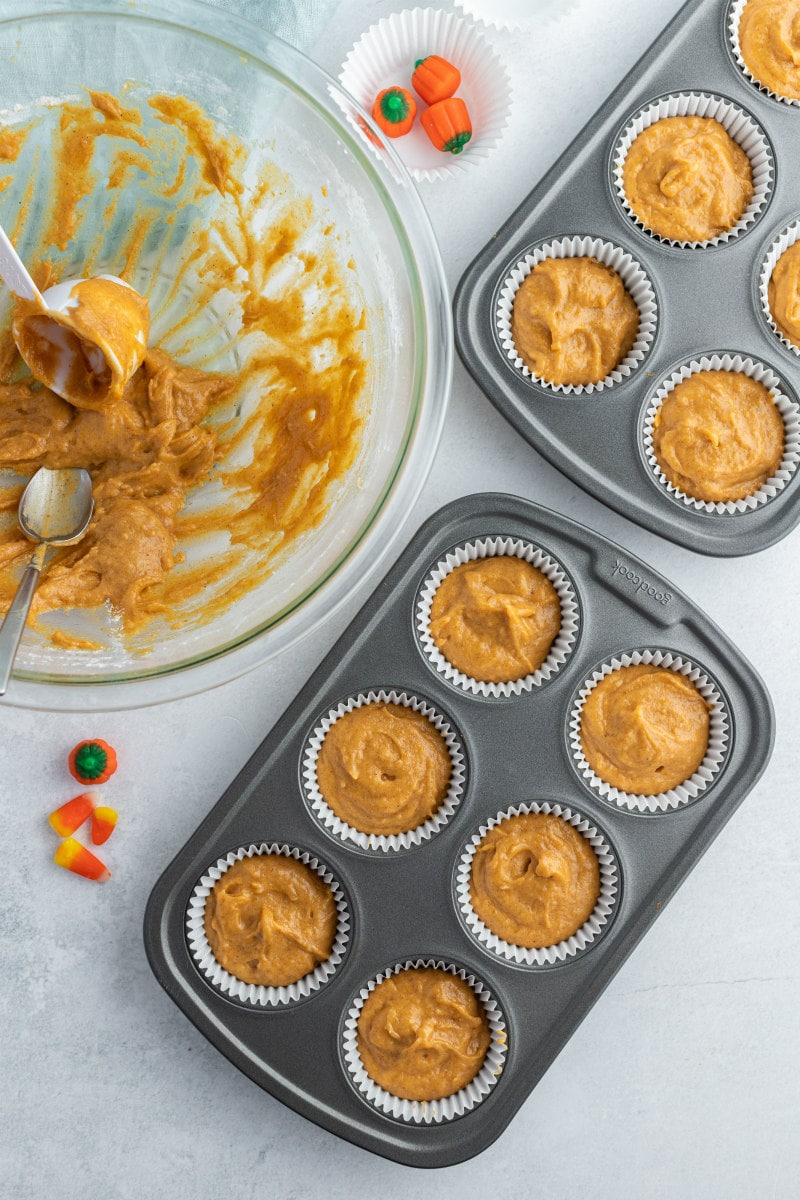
(83, 338)
(55, 510)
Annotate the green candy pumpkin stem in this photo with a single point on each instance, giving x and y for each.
(394, 106)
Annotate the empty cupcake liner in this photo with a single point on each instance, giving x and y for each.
(516, 15)
(787, 408)
(385, 56)
(741, 127)
(636, 283)
(591, 929)
(718, 735)
(428, 1112)
(253, 993)
(492, 548)
(734, 17)
(382, 843)
(786, 238)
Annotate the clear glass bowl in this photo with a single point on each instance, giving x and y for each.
(279, 103)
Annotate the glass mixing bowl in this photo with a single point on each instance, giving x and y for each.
(286, 111)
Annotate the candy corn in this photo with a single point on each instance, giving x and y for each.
(76, 858)
(93, 761)
(70, 816)
(104, 820)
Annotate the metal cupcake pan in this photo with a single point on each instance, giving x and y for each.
(407, 905)
(707, 297)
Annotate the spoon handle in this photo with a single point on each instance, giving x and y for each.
(17, 615)
(15, 273)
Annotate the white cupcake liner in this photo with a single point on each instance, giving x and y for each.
(516, 15)
(718, 735)
(734, 16)
(385, 56)
(787, 408)
(383, 842)
(258, 994)
(428, 1112)
(636, 283)
(497, 547)
(741, 127)
(592, 928)
(786, 238)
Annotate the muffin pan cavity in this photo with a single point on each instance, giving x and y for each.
(408, 907)
(707, 296)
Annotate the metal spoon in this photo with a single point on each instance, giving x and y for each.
(55, 510)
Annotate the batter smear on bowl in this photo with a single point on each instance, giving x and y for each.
(253, 384)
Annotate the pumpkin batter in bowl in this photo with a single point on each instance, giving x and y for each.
(644, 729)
(784, 294)
(423, 1034)
(278, 434)
(535, 880)
(270, 920)
(495, 618)
(573, 321)
(718, 436)
(769, 40)
(686, 179)
(383, 768)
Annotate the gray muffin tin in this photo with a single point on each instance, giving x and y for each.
(707, 297)
(403, 904)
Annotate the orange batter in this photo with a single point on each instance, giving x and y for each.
(423, 1034)
(784, 294)
(573, 321)
(686, 179)
(383, 768)
(719, 436)
(769, 39)
(535, 880)
(274, 436)
(644, 729)
(270, 920)
(496, 618)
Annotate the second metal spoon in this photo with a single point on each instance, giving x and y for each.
(55, 510)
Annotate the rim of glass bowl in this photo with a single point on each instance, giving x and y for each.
(432, 374)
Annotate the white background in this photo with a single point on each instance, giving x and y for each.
(682, 1081)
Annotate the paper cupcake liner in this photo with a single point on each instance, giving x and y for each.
(259, 995)
(787, 408)
(428, 1112)
(735, 121)
(592, 928)
(491, 548)
(636, 283)
(383, 842)
(780, 245)
(734, 17)
(516, 15)
(718, 735)
(385, 56)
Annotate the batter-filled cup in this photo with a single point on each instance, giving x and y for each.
(260, 995)
(634, 280)
(495, 547)
(384, 842)
(734, 19)
(741, 128)
(436, 1111)
(589, 930)
(785, 240)
(787, 408)
(718, 742)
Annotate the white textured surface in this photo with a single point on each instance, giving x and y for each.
(683, 1081)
